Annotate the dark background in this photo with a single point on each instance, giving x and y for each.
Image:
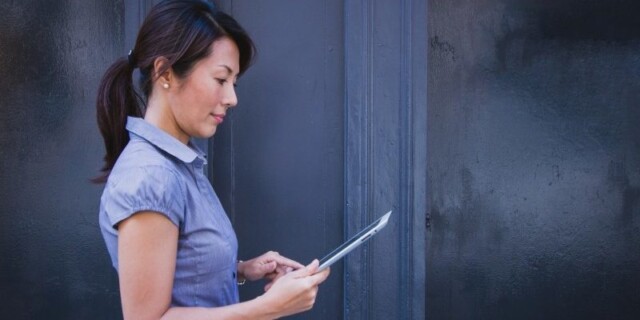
(53, 261)
(534, 160)
(531, 183)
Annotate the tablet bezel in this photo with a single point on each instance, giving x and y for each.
(354, 242)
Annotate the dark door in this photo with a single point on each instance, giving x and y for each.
(329, 134)
(278, 163)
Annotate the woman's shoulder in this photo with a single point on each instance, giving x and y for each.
(144, 179)
(142, 158)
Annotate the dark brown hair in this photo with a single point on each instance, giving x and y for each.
(180, 31)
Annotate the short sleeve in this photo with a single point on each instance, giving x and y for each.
(151, 188)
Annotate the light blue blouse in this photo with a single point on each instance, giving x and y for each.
(156, 172)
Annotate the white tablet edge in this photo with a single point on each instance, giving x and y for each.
(354, 242)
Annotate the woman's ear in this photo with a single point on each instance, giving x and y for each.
(162, 71)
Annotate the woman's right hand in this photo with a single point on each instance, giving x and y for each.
(296, 291)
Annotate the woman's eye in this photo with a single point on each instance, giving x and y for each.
(221, 81)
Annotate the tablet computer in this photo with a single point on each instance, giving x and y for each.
(354, 242)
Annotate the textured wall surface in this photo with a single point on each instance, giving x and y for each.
(54, 263)
(534, 160)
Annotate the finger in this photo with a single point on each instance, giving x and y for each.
(271, 276)
(268, 267)
(284, 261)
(306, 271)
(283, 269)
(321, 276)
(273, 280)
(275, 275)
(313, 266)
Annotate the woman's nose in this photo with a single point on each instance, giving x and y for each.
(230, 98)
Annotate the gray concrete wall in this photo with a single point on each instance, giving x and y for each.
(534, 160)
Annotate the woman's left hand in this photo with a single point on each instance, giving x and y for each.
(269, 265)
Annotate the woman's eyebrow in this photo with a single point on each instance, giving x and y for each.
(229, 71)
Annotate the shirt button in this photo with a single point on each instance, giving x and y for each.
(233, 274)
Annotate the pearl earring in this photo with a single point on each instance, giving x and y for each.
(166, 86)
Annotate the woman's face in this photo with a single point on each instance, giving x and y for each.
(201, 100)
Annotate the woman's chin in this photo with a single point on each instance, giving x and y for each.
(209, 132)
(204, 133)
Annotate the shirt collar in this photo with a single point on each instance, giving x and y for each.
(164, 141)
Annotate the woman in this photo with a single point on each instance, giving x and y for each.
(168, 236)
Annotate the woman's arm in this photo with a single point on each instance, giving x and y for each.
(147, 248)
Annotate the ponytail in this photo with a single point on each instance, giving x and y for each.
(117, 99)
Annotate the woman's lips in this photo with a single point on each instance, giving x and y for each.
(219, 118)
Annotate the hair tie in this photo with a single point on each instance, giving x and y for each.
(132, 62)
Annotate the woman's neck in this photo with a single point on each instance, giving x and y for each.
(160, 115)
